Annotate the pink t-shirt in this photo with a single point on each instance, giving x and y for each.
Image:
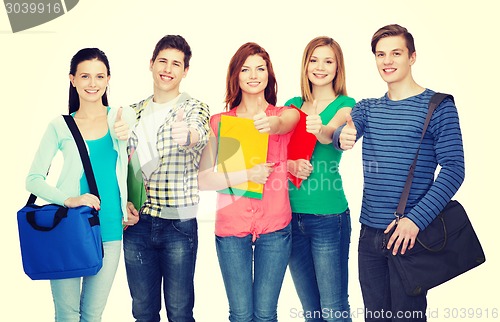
(240, 216)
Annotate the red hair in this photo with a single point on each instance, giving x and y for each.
(233, 90)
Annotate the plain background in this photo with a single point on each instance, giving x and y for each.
(457, 52)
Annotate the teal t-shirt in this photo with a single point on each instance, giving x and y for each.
(103, 159)
(322, 193)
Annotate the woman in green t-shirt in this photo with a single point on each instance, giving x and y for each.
(321, 225)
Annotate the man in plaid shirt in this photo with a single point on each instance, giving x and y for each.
(165, 148)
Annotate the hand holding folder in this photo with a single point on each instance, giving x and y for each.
(301, 145)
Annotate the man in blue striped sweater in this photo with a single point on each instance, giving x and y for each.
(391, 127)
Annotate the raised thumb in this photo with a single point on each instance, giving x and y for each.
(260, 105)
(349, 121)
(119, 114)
(180, 115)
(315, 107)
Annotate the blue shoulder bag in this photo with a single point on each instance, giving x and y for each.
(59, 242)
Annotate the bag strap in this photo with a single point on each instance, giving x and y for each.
(84, 155)
(436, 99)
(82, 149)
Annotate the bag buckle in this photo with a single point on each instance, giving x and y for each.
(398, 217)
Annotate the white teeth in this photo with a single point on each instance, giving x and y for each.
(92, 92)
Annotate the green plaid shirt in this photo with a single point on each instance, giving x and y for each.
(173, 186)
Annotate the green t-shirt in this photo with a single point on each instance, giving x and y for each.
(322, 193)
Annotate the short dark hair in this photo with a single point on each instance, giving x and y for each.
(174, 42)
(394, 30)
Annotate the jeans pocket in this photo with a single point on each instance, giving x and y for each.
(286, 232)
(348, 222)
(362, 232)
(186, 227)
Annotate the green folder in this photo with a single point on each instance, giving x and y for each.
(135, 183)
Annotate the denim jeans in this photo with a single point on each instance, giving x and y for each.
(253, 273)
(318, 265)
(161, 252)
(83, 299)
(383, 293)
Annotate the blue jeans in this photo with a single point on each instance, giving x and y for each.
(253, 288)
(383, 293)
(318, 265)
(83, 299)
(161, 252)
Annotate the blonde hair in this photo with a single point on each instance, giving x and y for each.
(338, 83)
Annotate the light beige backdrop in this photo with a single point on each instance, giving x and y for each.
(457, 50)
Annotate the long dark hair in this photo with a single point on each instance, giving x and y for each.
(81, 56)
(233, 90)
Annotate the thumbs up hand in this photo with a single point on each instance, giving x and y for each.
(180, 129)
(260, 120)
(347, 137)
(121, 127)
(313, 120)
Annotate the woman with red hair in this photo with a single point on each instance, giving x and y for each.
(253, 236)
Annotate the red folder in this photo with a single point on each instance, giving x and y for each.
(301, 145)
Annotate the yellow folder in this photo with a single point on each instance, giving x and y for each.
(241, 147)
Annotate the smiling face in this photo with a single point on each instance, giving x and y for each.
(393, 59)
(322, 66)
(168, 71)
(90, 80)
(253, 76)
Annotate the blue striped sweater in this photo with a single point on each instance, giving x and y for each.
(391, 131)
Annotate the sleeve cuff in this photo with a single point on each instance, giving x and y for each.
(336, 138)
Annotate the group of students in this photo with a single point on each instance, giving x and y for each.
(152, 158)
